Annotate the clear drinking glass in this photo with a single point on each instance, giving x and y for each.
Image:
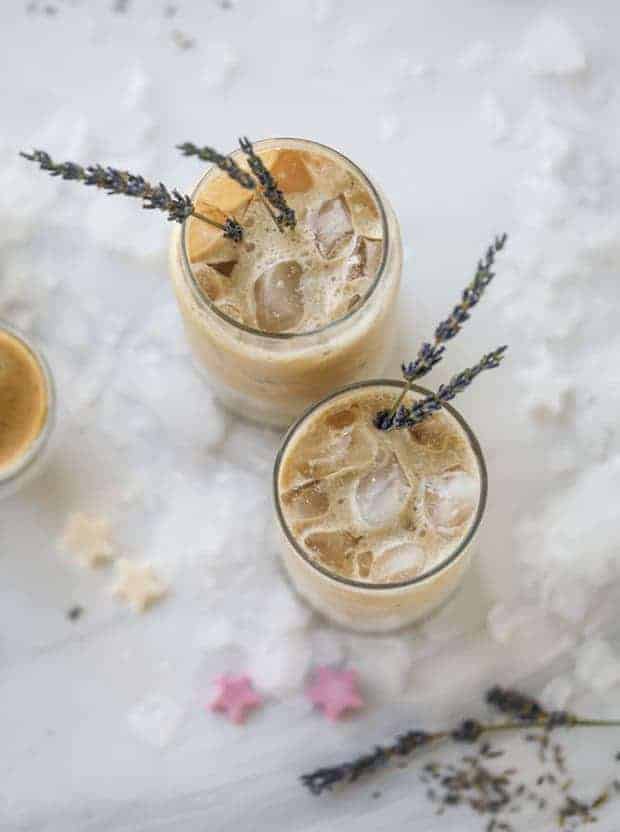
(273, 377)
(364, 606)
(31, 460)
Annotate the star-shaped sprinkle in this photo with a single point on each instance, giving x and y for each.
(235, 695)
(334, 691)
(138, 584)
(88, 538)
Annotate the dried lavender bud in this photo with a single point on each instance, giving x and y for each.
(225, 163)
(286, 217)
(323, 779)
(178, 206)
(516, 703)
(406, 743)
(430, 354)
(408, 417)
(471, 294)
(468, 731)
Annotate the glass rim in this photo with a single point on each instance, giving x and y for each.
(435, 570)
(204, 301)
(36, 447)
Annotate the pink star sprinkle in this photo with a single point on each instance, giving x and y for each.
(235, 695)
(335, 691)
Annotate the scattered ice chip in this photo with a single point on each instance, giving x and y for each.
(390, 126)
(506, 621)
(278, 665)
(382, 492)
(285, 613)
(308, 500)
(493, 118)
(552, 48)
(333, 228)
(221, 66)
(399, 562)
(328, 647)
(155, 719)
(278, 296)
(364, 260)
(477, 55)
(450, 499)
(385, 663)
(597, 666)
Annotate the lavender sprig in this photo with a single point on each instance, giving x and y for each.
(178, 206)
(468, 730)
(274, 196)
(225, 163)
(430, 354)
(410, 416)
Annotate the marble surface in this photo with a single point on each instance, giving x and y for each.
(475, 119)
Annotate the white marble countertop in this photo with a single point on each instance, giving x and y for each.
(476, 118)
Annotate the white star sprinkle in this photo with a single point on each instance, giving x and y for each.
(88, 538)
(138, 584)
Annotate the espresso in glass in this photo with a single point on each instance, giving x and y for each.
(285, 316)
(27, 406)
(377, 527)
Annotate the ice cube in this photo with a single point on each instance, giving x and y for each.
(278, 296)
(333, 228)
(205, 242)
(364, 564)
(382, 493)
(342, 418)
(330, 456)
(450, 499)
(399, 562)
(210, 282)
(364, 260)
(335, 550)
(308, 500)
(291, 173)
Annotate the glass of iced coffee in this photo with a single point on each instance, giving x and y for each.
(377, 528)
(27, 408)
(287, 315)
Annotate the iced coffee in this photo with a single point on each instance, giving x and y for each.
(286, 315)
(376, 526)
(26, 407)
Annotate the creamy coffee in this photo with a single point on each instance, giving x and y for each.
(376, 511)
(283, 317)
(23, 399)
